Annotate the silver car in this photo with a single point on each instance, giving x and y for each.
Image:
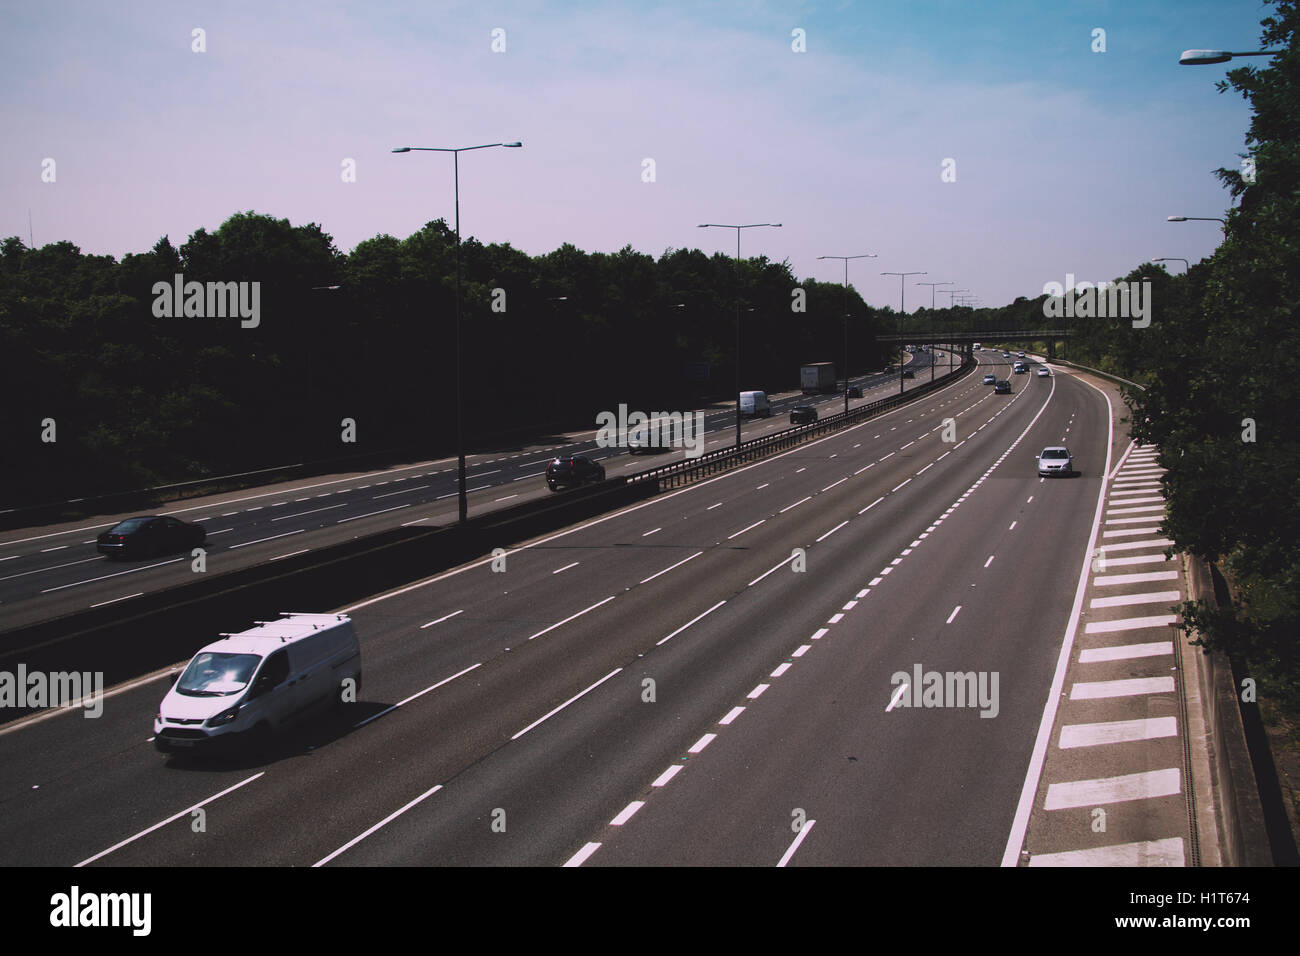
(1055, 460)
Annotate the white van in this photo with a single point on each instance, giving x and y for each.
(755, 404)
(246, 686)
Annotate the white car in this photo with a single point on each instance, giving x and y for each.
(1055, 460)
(1044, 373)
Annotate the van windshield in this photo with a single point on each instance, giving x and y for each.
(216, 675)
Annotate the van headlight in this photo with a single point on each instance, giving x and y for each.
(225, 717)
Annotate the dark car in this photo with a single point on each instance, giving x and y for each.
(909, 374)
(149, 535)
(855, 391)
(1003, 387)
(802, 415)
(573, 471)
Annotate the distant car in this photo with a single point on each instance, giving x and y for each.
(572, 471)
(148, 536)
(855, 391)
(1055, 460)
(1006, 354)
(1020, 355)
(802, 415)
(909, 374)
(1003, 387)
(1044, 373)
(1020, 368)
(990, 379)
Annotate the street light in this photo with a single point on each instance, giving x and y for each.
(752, 225)
(1203, 57)
(1174, 259)
(932, 288)
(867, 255)
(463, 504)
(902, 298)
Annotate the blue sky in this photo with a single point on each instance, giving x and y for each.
(1066, 160)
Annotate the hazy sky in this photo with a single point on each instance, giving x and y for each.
(1066, 160)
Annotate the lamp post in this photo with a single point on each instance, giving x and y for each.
(462, 502)
(932, 286)
(867, 255)
(1186, 267)
(1224, 222)
(902, 298)
(1203, 57)
(752, 225)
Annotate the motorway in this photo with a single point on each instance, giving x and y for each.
(50, 571)
(673, 683)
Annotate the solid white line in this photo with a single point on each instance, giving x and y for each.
(163, 823)
(566, 703)
(1123, 652)
(1132, 786)
(671, 566)
(571, 617)
(1168, 852)
(1116, 732)
(441, 619)
(581, 856)
(803, 832)
(1131, 624)
(1132, 687)
(281, 557)
(624, 815)
(1028, 791)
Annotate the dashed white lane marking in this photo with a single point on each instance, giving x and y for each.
(731, 715)
(1132, 687)
(565, 568)
(795, 505)
(576, 696)
(163, 823)
(989, 561)
(581, 856)
(689, 623)
(671, 566)
(703, 742)
(445, 617)
(743, 530)
(803, 832)
(624, 815)
(573, 616)
(663, 778)
(1132, 786)
(954, 614)
(757, 692)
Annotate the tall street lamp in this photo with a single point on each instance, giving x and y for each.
(1202, 57)
(752, 225)
(868, 255)
(902, 298)
(1175, 259)
(463, 504)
